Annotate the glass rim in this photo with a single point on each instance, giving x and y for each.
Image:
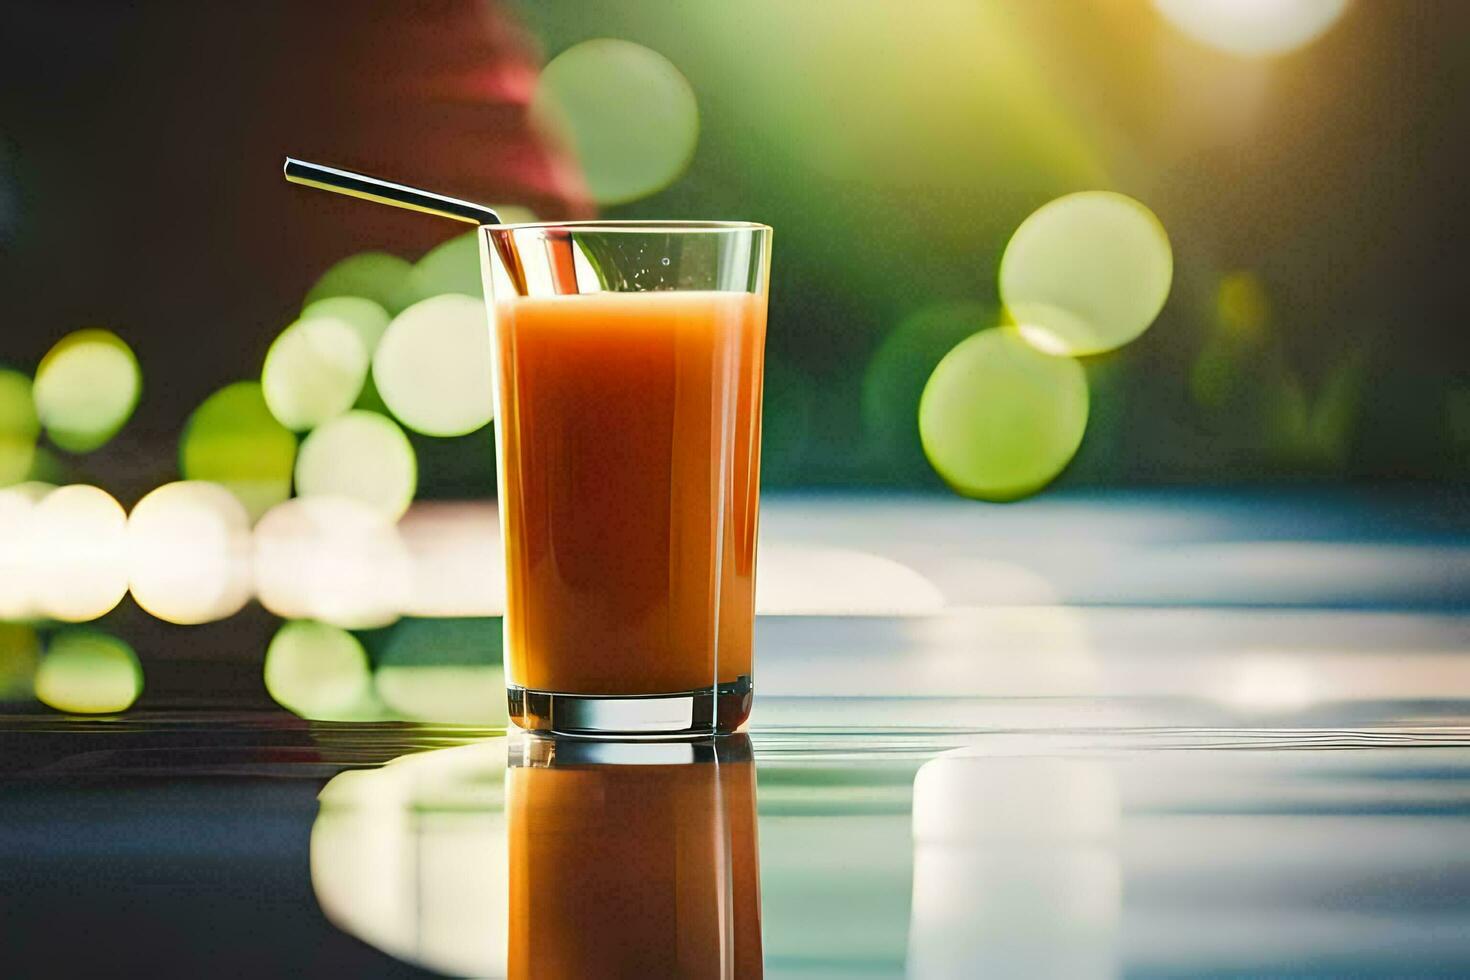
(632, 225)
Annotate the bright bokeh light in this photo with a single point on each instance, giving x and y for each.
(17, 561)
(377, 276)
(89, 673)
(895, 376)
(20, 651)
(999, 419)
(1086, 273)
(314, 372)
(78, 553)
(444, 670)
(627, 112)
(362, 456)
(189, 553)
(1263, 682)
(366, 317)
(457, 560)
(433, 367)
(1253, 27)
(19, 427)
(333, 559)
(449, 267)
(807, 580)
(233, 440)
(317, 670)
(370, 321)
(86, 388)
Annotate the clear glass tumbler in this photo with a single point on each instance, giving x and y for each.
(628, 360)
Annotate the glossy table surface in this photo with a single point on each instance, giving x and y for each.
(1230, 755)
(197, 846)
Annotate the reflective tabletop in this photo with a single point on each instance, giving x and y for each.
(1158, 748)
(256, 845)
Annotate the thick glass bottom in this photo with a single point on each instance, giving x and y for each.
(682, 714)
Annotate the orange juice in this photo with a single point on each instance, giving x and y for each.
(630, 431)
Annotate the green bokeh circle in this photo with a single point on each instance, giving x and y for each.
(998, 419)
(378, 276)
(362, 456)
(233, 440)
(900, 367)
(316, 670)
(365, 316)
(627, 111)
(89, 672)
(314, 371)
(86, 388)
(1086, 273)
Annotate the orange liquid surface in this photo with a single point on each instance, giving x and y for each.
(634, 871)
(630, 428)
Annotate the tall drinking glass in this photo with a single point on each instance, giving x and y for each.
(628, 362)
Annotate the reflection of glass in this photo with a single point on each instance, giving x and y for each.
(633, 860)
(549, 859)
(628, 359)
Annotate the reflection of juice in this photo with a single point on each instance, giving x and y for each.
(630, 428)
(633, 871)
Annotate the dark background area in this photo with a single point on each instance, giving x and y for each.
(894, 150)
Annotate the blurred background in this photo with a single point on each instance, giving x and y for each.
(1228, 234)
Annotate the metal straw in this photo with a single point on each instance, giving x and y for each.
(387, 192)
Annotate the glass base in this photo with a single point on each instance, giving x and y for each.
(680, 715)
